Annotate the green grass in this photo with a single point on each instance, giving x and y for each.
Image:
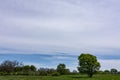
(66, 77)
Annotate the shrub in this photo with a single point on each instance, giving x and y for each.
(55, 74)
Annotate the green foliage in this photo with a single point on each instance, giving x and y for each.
(106, 72)
(8, 66)
(42, 71)
(33, 68)
(61, 68)
(45, 71)
(113, 71)
(74, 72)
(55, 74)
(63, 77)
(88, 64)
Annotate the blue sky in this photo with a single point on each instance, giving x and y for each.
(57, 31)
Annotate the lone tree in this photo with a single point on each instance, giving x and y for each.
(61, 68)
(88, 64)
(113, 71)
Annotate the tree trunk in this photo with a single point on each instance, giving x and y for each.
(90, 75)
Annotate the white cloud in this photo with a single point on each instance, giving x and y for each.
(60, 26)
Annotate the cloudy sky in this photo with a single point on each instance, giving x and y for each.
(56, 31)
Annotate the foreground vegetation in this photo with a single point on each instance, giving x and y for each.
(64, 77)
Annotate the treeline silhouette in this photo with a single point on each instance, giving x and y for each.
(8, 67)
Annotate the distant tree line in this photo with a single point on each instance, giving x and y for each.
(87, 64)
(8, 67)
(111, 71)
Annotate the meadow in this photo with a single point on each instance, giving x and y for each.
(64, 77)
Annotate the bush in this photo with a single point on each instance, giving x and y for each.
(55, 74)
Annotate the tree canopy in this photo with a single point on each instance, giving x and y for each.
(88, 64)
(61, 68)
(113, 71)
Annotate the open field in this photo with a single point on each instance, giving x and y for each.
(66, 77)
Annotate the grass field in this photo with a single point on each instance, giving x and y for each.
(66, 77)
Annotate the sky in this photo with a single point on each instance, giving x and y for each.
(48, 32)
